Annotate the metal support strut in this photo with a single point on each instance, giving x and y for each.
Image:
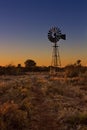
(56, 62)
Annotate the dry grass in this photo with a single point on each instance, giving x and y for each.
(40, 102)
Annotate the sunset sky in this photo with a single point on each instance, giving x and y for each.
(24, 25)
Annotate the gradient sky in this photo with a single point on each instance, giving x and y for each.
(24, 25)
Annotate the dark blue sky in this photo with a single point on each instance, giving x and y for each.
(24, 25)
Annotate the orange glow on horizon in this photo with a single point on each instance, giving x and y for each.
(39, 62)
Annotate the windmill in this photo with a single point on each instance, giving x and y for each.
(54, 35)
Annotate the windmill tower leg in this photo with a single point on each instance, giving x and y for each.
(56, 62)
(58, 57)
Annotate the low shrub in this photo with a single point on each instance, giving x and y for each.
(77, 118)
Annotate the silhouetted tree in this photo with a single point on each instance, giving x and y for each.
(19, 66)
(78, 62)
(30, 63)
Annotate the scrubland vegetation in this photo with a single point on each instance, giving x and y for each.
(39, 101)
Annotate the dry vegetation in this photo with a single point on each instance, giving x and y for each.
(40, 102)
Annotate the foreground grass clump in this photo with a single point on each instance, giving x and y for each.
(78, 118)
(38, 102)
(11, 117)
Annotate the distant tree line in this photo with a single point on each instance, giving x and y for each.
(30, 66)
(71, 70)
